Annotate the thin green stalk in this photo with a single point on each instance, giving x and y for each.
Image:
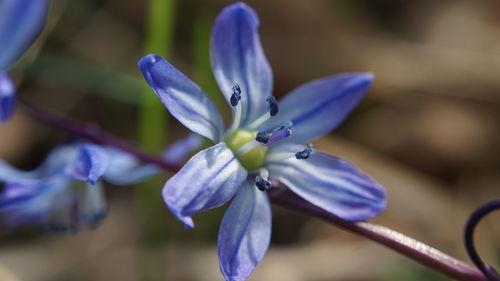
(153, 128)
(201, 60)
(159, 32)
(153, 116)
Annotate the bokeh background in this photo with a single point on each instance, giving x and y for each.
(428, 130)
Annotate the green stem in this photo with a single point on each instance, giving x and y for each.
(201, 60)
(159, 33)
(153, 128)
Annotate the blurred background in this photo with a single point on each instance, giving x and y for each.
(428, 131)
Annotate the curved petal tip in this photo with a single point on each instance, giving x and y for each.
(7, 98)
(148, 60)
(242, 9)
(366, 77)
(90, 164)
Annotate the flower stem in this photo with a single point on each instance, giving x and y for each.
(470, 227)
(153, 121)
(399, 242)
(92, 133)
(153, 129)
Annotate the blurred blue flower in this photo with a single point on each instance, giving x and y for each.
(21, 21)
(261, 142)
(64, 192)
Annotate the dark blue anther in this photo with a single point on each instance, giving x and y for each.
(262, 184)
(305, 153)
(263, 137)
(236, 89)
(276, 134)
(287, 125)
(273, 105)
(279, 135)
(236, 96)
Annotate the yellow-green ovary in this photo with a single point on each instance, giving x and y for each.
(253, 159)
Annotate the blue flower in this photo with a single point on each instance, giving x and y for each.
(262, 142)
(64, 192)
(20, 24)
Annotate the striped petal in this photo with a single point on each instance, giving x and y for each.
(92, 206)
(90, 163)
(125, 169)
(182, 97)
(245, 233)
(329, 182)
(209, 179)
(7, 97)
(20, 23)
(321, 105)
(237, 58)
(179, 150)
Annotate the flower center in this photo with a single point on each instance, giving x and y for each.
(252, 159)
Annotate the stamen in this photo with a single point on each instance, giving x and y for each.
(273, 110)
(264, 173)
(305, 153)
(263, 184)
(282, 156)
(279, 157)
(273, 105)
(276, 134)
(263, 137)
(279, 135)
(236, 96)
(283, 126)
(246, 148)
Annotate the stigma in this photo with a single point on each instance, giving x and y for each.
(248, 151)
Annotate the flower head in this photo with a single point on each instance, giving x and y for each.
(64, 192)
(20, 24)
(262, 141)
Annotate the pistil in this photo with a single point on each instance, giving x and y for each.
(300, 155)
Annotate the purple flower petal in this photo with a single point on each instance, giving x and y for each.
(125, 169)
(7, 97)
(54, 164)
(329, 182)
(209, 179)
(56, 204)
(321, 105)
(91, 205)
(90, 164)
(245, 233)
(180, 149)
(20, 23)
(49, 197)
(237, 58)
(182, 97)
(42, 202)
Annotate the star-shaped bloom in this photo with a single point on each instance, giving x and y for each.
(20, 24)
(64, 192)
(263, 141)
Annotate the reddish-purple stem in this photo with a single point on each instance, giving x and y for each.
(397, 241)
(93, 133)
(401, 243)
